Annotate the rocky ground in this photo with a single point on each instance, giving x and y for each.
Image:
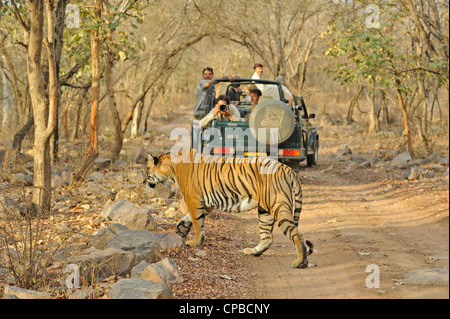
(365, 203)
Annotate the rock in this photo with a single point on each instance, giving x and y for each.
(92, 188)
(65, 175)
(443, 161)
(417, 173)
(56, 180)
(22, 293)
(135, 288)
(9, 208)
(10, 297)
(141, 156)
(102, 163)
(22, 179)
(437, 168)
(119, 165)
(63, 227)
(97, 265)
(161, 191)
(366, 164)
(402, 160)
(143, 244)
(183, 207)
(136, 177)
(358, 158)
(147, 136)
(171, 212)
(102, 237)
(432, 276)
(95, 177)
(200, 253)
(138, 269)
(84, 294)
(170, 241)
(164, 271)
(434, 158)
(129, 215)
(350, 167)
(344, 151)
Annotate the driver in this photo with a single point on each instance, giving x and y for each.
(222, 111)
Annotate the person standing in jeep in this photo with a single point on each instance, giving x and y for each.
(200, 108)
(257, 74)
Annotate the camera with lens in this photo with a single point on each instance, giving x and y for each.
(223, 107)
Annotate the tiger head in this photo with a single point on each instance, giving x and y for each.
(158, 171)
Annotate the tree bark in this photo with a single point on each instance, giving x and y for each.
(60, 14)
(407, 129)
(7, 103)
(353, 103)
(43, 109)
(117, 124)
(373, 114)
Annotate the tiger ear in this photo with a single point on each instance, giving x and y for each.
(152, 160)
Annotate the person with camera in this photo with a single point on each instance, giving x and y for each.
(200, 108)
(222, 111)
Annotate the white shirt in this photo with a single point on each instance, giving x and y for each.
(272, 91)
(235, 116)
(256, 76)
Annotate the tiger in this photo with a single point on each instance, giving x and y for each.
(234, 184)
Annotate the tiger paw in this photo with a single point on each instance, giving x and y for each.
(250, 251)
(191, 243)
(183, 228)
(300, 264)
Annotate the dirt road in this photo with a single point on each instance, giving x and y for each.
(354, 224)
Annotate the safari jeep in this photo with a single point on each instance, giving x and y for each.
(272, 128)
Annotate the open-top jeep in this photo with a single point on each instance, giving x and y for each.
(272, 128)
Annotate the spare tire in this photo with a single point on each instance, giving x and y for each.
(272, 114)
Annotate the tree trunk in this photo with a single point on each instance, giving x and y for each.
(95, 50)
(384, 107)
(118, 136)
(304, 63)
(7, 104)
(353, 103)
(92, 153)
(137, 115)
(424, 108)
(60, 14)
(373, 114)
(147, 111)
(43, 116)
(406, 130)
(78, 106)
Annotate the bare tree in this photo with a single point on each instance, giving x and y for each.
(179, 31)
(274, 33)
(43, 106)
